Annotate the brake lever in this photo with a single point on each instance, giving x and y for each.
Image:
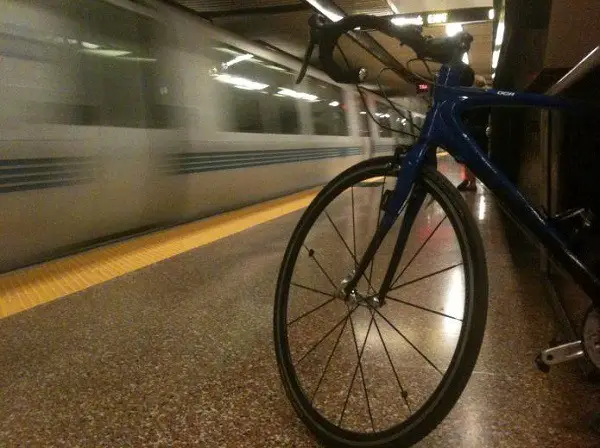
(315, 21)
(311, 46)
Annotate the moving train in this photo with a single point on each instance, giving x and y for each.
(121, 117)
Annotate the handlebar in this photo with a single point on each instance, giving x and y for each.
(443, 50)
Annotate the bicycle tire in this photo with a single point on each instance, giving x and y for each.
(453, 383)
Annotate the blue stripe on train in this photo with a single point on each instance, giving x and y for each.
(51, 172)
(188, 163)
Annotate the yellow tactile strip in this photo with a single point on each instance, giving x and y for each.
(26, 288)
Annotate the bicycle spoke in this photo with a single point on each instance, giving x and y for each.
(362, 373)
(308, 288)
(423, 308)
(311, 254)
(342, 238)
(329, 360)
(325, 337)
(376, 229)
(403, 392)
(410, 282)
(353, 220)
(407, 340)
(418, 251)
(327, 302)
(356, 370)
(347, 247)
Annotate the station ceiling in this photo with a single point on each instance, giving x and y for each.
(283, 24)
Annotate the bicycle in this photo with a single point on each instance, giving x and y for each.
(350, 279)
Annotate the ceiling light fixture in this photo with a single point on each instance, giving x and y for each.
(499, 34)
(106, 52)
(440, 17)
(241, 83)
(240, 58)
(495, 56)
(88, 45)
(333, 16)
(402, 21)
(452, 29)
(299, 95)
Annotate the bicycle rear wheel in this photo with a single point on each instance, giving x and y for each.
(364, 375)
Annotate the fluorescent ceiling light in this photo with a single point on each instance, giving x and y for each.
(276, 67)
(499, 34)
(243, 57)
(393, 6)
(104, 52)
(493, 75)
(133, 58)
(299, 95)
(440, 17)
(491, 14)
(334, 103)
(452, 29)
(333, 16)
(241, 83)
(401, 21)
(495, 56)
(89, 45)
(227, 50)
(465, 58)
(362, 112)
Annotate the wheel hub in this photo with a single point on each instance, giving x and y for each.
(355, 297)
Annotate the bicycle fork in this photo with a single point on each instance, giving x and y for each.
(406, 196)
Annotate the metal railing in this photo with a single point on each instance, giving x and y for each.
(549, 191)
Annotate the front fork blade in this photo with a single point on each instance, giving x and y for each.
(415, 201)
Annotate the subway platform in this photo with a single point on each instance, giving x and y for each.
(166, 340)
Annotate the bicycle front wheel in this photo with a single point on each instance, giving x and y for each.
(365, 373)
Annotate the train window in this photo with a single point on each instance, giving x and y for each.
(327, 107)
(246, 111)
(258, 94)
(37, 83)
(385, 116)
(391, 119)
(418, 120)
(363, 119)
(119, 67)
(83, 63)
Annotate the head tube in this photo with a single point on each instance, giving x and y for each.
(456, 74)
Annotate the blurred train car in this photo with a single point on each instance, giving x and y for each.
(119, 117)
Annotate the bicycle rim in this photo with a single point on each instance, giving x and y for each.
(379, 396)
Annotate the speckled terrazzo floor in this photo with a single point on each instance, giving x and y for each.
(180, 354)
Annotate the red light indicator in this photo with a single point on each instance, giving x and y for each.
(421, 88)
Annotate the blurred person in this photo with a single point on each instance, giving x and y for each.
(476, 121)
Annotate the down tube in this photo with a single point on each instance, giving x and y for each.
(519, 206)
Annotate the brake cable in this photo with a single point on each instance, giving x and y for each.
(364, 101)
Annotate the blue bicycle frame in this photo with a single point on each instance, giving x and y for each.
(443, 128)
